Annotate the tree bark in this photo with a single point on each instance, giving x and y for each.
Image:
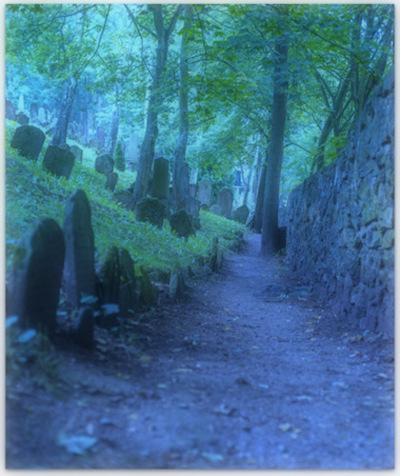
(60, 134)
(114, 130)
(258, 214)
(155, 100)
(180, 170)
(270, 240)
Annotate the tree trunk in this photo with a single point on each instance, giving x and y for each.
(114, 130)
(180, 171)
(155, 100)
(270, 240)
(60, 135)
(258, 214)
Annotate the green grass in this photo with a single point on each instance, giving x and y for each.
(33, 194)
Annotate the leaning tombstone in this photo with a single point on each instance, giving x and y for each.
(104, 164)
(204, 189)
(182, 224)
(79, 274)
(225, 201)
(59, 161)
(241, 214)
(152, 210)
(38, 268)
(28, 140)
(160, 186)
(78, 152)
(111, 181)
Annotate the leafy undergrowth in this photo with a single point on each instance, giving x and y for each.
(33, 194)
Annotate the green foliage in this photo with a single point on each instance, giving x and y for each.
(33, 194)
(119, 158)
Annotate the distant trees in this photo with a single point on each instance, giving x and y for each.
(217, 87)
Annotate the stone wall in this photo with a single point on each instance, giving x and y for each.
(340, 235)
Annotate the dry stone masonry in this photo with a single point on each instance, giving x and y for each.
(340, 222)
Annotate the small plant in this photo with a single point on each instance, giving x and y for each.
(120, 158)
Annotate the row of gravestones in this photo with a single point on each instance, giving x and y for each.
(50, 259)
(223, 206)
(29, 140)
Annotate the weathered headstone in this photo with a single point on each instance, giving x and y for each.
(22, 119)
(93, 143)
(79, 274)
(204, 189)
(110, 276)
(104, 164)
(78, 152)
(216, 209)
(152, 210)
(111, 181)
(59, 161)
(101, 137)
(83, 331)
(34, 110)
(38, 268)
(225, 200)
(241, 214)
(127, 285)
(28, 140)
(131, 152)
(42, 115)
(176, 284)
(125, 198)
(148, 294)
(182, 224)
(10, 111)
(160, 187)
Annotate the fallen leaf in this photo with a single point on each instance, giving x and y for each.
(285, 427)
(76, 445)
(213, 457)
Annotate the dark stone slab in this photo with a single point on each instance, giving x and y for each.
(111, 181)
(182, 224)
(59, 161)
(28, 140)
(160, 186)
(79, 274)
(152, 210)
(38, 267)
(104, 164)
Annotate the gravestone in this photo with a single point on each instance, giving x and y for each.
(59, 161)
(148, 294)
(34, 110)
(182, 224)
(225, 201)
(83, 332)
(78, 152)
(131, 152)
(10, 111)
(110, 276)
(127, 285)
(93, 143)
(241, 214)
(204, 189)
(160, 187)
(79, 274)
(104, 164)
(38, 268)
(125, 198)
(111, 181)
(42, 115)
(101, 137)
(152, 210)
(28, 140)
(216, 209)
(22, 119)
(176, 284)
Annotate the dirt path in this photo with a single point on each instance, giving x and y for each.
(229, 377)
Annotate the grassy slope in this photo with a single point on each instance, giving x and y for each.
(33, 194)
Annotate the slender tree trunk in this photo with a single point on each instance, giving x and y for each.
(114, 130)
(155, 100)
(180, 171)
(270, 240)
(60, 135)
(258, 214)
